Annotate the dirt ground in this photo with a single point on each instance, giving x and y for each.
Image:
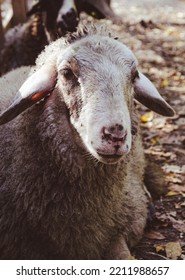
(155, 31)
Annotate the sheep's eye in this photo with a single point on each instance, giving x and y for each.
(68, 74)
(134, 75)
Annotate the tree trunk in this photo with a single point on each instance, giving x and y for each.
(1, 30)
(19, 11)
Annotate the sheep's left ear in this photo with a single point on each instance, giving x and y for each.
(147, 94)
(35, 88)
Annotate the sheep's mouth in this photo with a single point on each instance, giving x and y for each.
(110, 158)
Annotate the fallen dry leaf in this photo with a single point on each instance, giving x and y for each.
(169, 128)
(172, 213)
(147, 117)
(172, 177)
(174, 168)
(132, 258)
(171, 193)
(159, 248)
(177, 188)
(172, 31)
(147, 125)
(154, 140)
(180, 226)
(159, 122)
(158, 153)
(177, 224)
(178, 205)
(154, 235)
(164, 83)
(173, 250)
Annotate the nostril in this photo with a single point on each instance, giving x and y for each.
(120, 127)
(116, 127)
(107, 131)
(112, 128)
(120, 137)
(114, 133)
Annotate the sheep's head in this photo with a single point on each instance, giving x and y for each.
(94, 76)
(97, 78)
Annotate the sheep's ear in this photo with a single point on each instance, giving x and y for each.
(147, 94)
(35, 88)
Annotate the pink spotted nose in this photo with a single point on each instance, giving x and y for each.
(115, 136)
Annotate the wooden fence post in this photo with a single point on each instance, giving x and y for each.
(19, 11)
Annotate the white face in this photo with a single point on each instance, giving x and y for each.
(97, 89)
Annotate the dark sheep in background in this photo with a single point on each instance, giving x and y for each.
(72, 165)
(61, 16)
(48, 20)
(23, 43)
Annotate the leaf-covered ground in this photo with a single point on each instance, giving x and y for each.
(155, 31)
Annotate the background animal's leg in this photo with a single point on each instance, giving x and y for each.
(118, 250)
(67, 16)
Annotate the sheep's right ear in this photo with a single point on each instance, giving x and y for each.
(35, 88)
(147, 94)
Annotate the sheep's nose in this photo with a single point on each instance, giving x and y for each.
(115, 135)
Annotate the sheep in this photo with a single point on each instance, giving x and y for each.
(22, 44)
(47, 21)
(61, 16)
(72, 161)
